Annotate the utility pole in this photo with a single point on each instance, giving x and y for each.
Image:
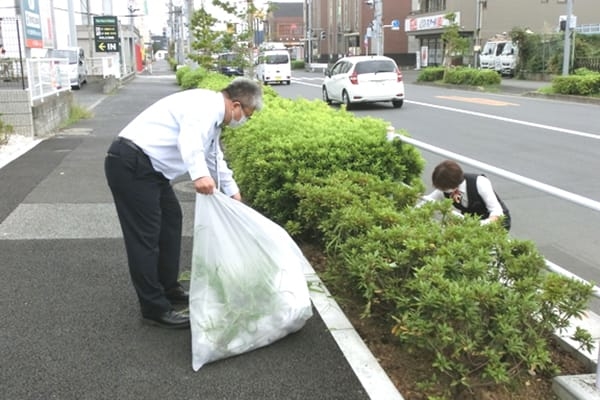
(72, 29)
(567, 48)
(171, 30)
(378, 22)
(309, 32)
(250, 11)
(477, 32)
(178, 30)
(190, 32)
(54, 42)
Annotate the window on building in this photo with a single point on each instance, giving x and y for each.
(433, 5)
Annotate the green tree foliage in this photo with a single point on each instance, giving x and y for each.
(544, 52)
(205, 40)
(454, 43)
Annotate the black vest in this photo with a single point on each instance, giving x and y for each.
(476, 204)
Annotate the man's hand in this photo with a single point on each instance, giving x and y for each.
(205, 185)
(237, 196)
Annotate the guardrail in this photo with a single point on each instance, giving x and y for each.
(571, 197)
(47, 76)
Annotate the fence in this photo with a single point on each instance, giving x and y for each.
(591, 63)
(12, 65)
(47, 76)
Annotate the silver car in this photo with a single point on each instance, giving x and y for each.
(364, 79)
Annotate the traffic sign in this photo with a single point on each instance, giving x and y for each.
(395, 24)
(106, 34)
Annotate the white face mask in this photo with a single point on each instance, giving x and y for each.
(237, 123)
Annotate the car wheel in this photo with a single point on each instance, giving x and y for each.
(397, 103)
(288, 82)
(346, 100)
(326, 98)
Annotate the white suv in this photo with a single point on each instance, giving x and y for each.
(364, 79)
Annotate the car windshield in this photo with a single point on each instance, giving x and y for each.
(489, 48)
(276, 59)
(508, 49)
(375, 66)
(71, 55)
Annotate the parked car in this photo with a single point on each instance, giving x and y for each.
(77, 69)
(230, 64)
(364, 79)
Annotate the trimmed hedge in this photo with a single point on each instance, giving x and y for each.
(293, 141)
(583, 83)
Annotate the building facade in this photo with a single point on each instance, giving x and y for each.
(340, 27)
(344, 27)
(481, 20)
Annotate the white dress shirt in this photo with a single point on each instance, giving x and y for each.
(180, 133)
(485, 190)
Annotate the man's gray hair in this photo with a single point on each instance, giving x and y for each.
(246, 91)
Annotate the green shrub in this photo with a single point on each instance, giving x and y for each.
(293, 141)
(478, 301)
(348, 203)
(298, 64)
(181, 71)
(472, 76)
(192, 78)
(5, 131)
(583, 84)
(431, 74)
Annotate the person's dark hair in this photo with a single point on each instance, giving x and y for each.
(246, 91)
(447, 175)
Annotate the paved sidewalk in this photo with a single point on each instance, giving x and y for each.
(71, 327)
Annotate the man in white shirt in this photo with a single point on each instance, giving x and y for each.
(470, 193)
(178, 134)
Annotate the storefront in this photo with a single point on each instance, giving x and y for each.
(427, 32)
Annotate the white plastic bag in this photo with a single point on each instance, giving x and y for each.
(248, 287)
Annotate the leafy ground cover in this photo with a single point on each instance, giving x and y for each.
(407, 369)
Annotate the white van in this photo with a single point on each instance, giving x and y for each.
(274, 66)
(490, 56)
(509, 58)
(77, 64)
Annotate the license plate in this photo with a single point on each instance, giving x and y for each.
(278, 78)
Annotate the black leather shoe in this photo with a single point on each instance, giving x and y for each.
(177, 295)
(169, 319)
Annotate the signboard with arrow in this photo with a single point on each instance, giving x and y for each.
(106, 34)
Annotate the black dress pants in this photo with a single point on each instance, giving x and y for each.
(150, 217)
